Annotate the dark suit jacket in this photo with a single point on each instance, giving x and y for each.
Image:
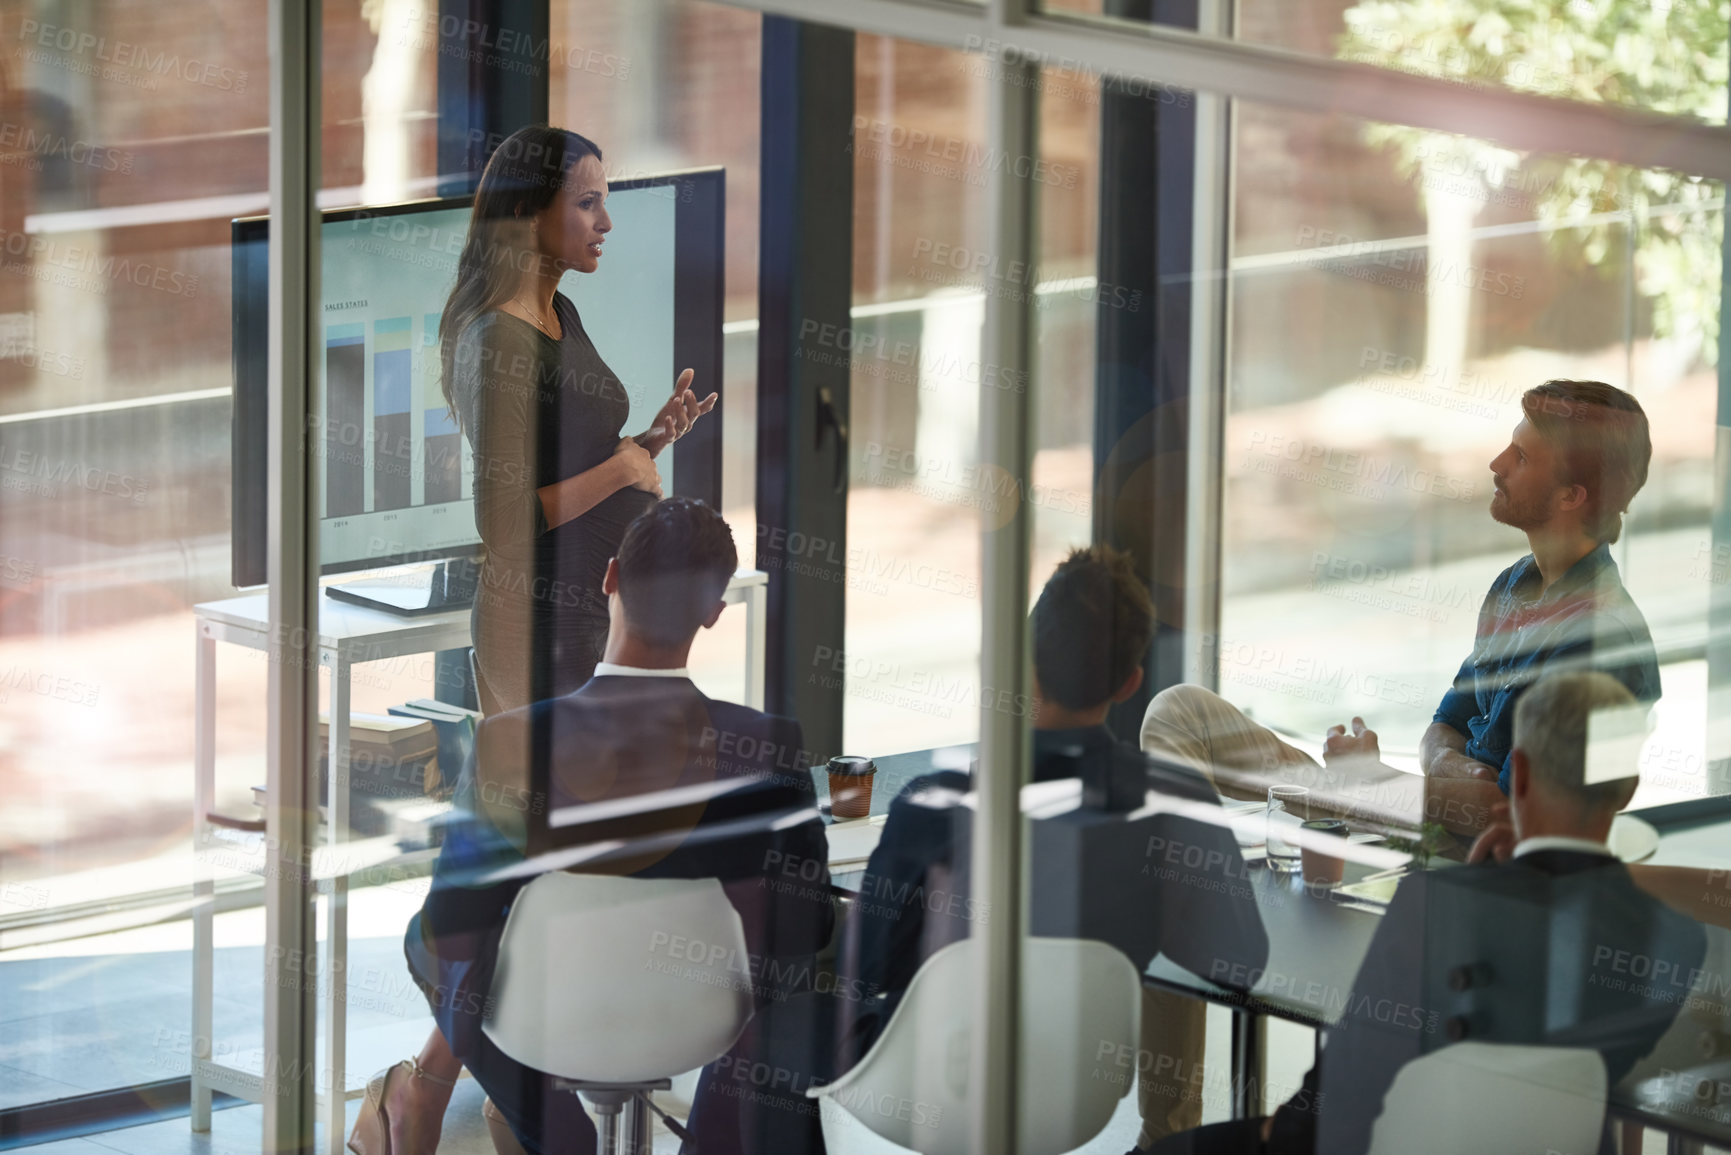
(1543, 949)
(1146, 884)
(756, 827)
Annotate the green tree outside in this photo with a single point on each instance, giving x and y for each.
(1665, 56)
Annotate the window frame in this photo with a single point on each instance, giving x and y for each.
(1020, 39)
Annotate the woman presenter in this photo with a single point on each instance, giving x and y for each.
(556, 484)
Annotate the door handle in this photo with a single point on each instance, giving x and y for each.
(828, 418)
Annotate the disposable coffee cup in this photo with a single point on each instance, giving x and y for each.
(850, 786)
(1320, 867)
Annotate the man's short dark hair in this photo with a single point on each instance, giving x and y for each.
(1092, 626)
(674, 565)
(1602, 444)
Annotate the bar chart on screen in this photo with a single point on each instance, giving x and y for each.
(396, 482)
(413, 462)
(394, 466)
(394, 472)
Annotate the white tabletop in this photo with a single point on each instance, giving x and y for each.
(341, 623)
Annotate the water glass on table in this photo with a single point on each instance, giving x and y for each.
(1288, 809)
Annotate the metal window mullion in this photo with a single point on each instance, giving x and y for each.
(292, 565)
(1005, 443)
(944, 23)
(1195, 62)
(1210, 311)
(1191, 62)
(1717, 735)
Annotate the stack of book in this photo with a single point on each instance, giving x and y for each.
(403, 767)
(456, 731)
(392, 760)
(421, 822)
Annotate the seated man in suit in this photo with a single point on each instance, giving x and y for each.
(639, 728)
(1523, 951)
(1147, 882)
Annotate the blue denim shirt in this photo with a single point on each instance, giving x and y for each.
(1585, 621)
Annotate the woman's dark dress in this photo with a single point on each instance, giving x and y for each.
(536, 412)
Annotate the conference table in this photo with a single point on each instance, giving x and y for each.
(1318, 938)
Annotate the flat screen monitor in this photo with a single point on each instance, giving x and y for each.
(394, 476)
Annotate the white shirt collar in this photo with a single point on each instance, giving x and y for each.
(1573, 845)
(614, 670)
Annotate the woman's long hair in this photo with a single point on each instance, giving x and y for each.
(522, 177)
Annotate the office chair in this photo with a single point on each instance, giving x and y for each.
(615, 985)
(1080, 1001)
(1514, 1100)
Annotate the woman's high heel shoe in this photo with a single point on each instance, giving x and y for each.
(372, 1133)
(504, 1142)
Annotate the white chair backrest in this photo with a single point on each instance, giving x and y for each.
(1495, 1098)
(619, 979)
(1081, 1004)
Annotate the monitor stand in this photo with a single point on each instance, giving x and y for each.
(450, 585)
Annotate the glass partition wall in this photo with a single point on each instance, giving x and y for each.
(1407, 288)
(1346, 396)
(122, 170)
(1339, 315)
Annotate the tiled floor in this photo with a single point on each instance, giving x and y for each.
(236, 1132)
(127, 1018)
(109, 1011)
(112, 1010)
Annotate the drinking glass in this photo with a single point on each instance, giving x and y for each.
(1288, 809)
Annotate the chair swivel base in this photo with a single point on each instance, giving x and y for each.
(622, 1125)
